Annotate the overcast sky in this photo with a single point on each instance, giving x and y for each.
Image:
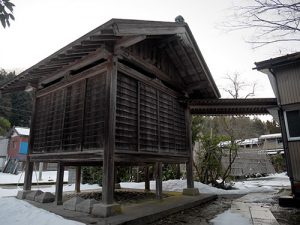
(44, 26)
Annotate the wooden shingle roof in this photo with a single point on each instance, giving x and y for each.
(219, 107)
(118, 34)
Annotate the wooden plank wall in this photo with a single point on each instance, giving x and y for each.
(71, 118)
(294, 152)
(148, 120)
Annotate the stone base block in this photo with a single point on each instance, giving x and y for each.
(33, 194)
(86, 205)
(106, 210)
(71, 204)
(45, 197)
(22, 194)
(190, 191)
(289, 201)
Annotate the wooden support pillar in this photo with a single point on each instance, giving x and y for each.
(28, 164)
(28, 175)
(78, 179)
(158, 182)
(189, 163)
(59, 184)
(147, 180)
(189, 174)
(109, 139)
(178, 171)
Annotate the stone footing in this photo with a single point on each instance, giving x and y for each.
(86, 205)
(22, 194)
(33, 194)
(190, 191)
(71, 204)
(45, 197)
(106, 210)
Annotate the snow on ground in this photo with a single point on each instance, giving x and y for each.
(47, 176)
(265, 184)
(17, 212)
(231, 218)
(12, 191)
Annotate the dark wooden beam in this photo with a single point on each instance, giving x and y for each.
(158, 180)
(189, 163)
(109, 126)
(127, 41)
(59, 184)
(104, 37)
(147, 180)
(78, 179)
(92, 57)
(149, 68)
(28, 175)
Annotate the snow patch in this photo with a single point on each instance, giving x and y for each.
(47, 176)
(266, 184)
(17, 212)
(231, 218)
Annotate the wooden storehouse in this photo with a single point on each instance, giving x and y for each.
(116, 96)
(284, 74)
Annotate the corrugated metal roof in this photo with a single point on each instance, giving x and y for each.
(213, 107)
(279, 61)
(23, 131)
(270, 136)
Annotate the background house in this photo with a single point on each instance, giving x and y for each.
(18, 143)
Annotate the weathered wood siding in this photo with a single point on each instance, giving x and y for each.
(288, 80)
(294, 152)
(149, 51)
(71, 118)
(148, 120)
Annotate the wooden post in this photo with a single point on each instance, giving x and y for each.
(177, 171)
(28, 175)
(109, 139)
(29, 165)
(189, 163)
(147, 180)
(59, 184)
(158, 180)
(78, 179)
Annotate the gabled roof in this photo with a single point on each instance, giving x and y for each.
(176, 38)
(20, 131)
(278, 62)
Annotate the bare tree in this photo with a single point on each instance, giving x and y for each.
(229, 124)
(236, 86)
(270, 20)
